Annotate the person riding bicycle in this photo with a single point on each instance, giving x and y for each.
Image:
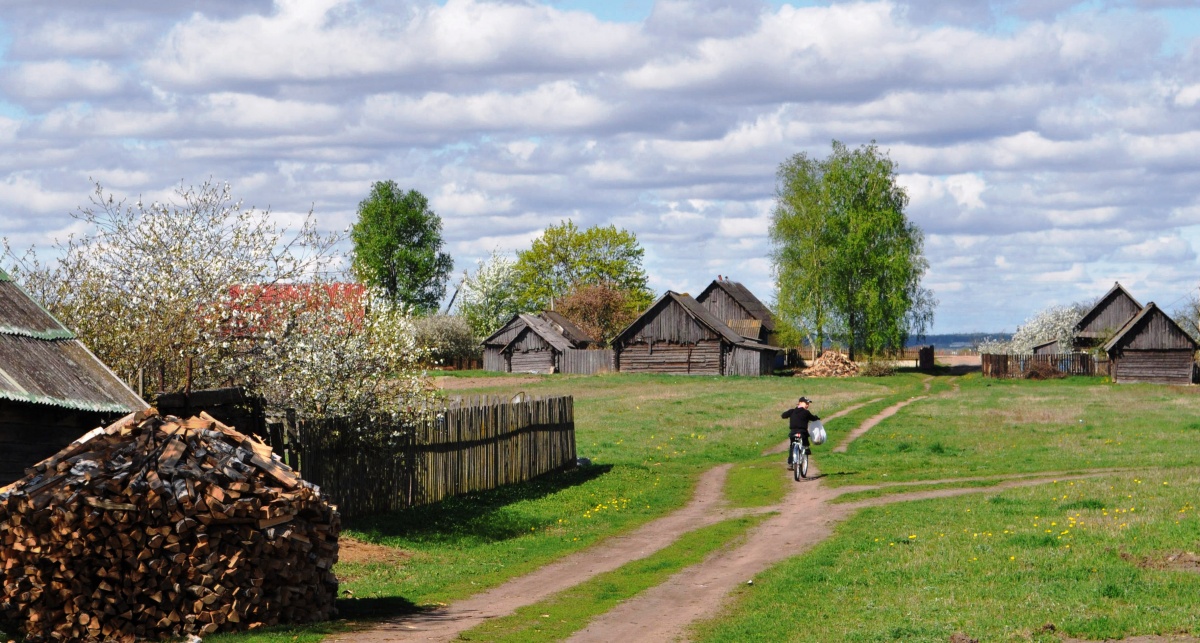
(798, 419)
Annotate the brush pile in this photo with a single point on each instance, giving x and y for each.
(830, 364)
(158, 527)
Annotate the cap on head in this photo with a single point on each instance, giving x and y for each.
(805, 400)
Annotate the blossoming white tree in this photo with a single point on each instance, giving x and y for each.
(1056, 323)
(198, 291)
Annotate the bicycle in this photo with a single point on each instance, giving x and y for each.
(799, 459)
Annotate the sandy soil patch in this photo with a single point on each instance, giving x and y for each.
(448, 383)
(351, 550)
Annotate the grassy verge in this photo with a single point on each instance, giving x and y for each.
(757, 483)
(569, 611)
(648, 438)
(868, 494)
(1089, 558)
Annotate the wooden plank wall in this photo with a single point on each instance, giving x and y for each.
(493, 360)
(1156, 331)
(1004, 366)
(30, 433)
(670, 324)
(747, 361)
(1162, 367)
(586, 362)
(479, 444)
(703, 358)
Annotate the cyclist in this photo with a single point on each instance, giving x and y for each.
(798, 419)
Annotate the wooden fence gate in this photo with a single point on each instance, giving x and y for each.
(1007, 366)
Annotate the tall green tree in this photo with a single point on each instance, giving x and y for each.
(847, 261)
(398, 247)
(565, 259)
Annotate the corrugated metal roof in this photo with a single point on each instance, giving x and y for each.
(42, 362)
(21, 315)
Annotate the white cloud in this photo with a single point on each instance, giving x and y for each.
(1047, 150)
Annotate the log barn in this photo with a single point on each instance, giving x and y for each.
(530, 344)
(1047, 348)
(679, 335)
(734, 304)
(52, 389)
(1106, 317)
(1151, 347)
(568, 329)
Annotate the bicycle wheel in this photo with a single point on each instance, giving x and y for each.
(798, 461)
(802, 464)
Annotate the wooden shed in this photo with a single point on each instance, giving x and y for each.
(532, 344)
(1151, 347)
(52, 389)
(1048, 348)
(1110, 313)
(734, 304)
(679, 335)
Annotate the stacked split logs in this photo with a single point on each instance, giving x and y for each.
(158, 527)
(831, 364)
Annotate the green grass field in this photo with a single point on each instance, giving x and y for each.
(983, 564)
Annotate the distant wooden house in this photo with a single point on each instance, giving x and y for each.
(1110, 313)
(1048, 348)
(538, 344)
(734, 304)
(679, 335)
(52, 389)
(1151, 347)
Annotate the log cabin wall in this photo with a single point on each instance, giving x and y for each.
(1154, 366)
(30, 433)
(702, 358)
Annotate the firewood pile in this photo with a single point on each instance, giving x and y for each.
(158, 527)
(831, 364)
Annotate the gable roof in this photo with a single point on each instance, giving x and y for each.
(44, 363)
(698, 312)
(744, 298)
(495, 338)
(543, 329)
(1139, 321)
(1112, 297)
(567, 327)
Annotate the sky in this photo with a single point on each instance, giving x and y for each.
(1049, 147)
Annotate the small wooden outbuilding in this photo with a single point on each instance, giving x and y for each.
(734, 304)
(1048, 348)
(52, 389)
(533, 344)
(1110, 313)
(679, 335)
(1151, 347)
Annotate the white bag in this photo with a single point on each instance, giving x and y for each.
(816, 432)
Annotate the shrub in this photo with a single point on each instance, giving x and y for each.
(877, 369)
(446, 338)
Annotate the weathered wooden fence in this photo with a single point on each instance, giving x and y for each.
(586, 362)
(1003, 366)
(475, 445)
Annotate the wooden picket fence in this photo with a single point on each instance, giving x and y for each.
(1010, 366)
(474, 444)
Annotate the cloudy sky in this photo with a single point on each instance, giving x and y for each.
(1049, 147)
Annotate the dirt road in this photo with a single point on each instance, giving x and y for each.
(804, 518)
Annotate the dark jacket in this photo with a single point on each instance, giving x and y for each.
(798, 420)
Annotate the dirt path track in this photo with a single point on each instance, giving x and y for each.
(806, 516)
